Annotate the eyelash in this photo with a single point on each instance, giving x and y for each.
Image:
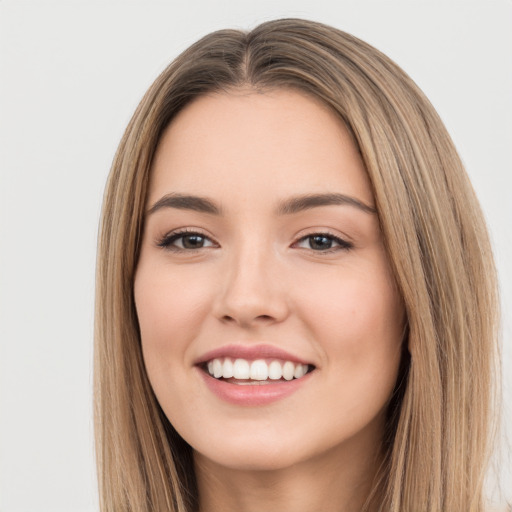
(168, 240)
(342, 245)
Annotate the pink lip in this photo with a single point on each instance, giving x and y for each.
(250, 352)
(253, 394)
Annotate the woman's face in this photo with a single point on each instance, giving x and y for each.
(262, 259)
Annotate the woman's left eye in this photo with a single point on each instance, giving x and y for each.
(323, 242)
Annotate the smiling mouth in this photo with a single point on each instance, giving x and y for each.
(255, 372)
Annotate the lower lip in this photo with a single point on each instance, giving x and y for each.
(252, 394)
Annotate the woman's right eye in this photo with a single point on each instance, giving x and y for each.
(185, 241)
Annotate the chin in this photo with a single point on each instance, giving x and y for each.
(265, 452)
(258, 458)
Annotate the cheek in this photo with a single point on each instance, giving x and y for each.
(169, 308)
(355, 302)
(366, 348)
(358, 320)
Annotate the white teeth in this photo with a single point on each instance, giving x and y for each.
(258, 370)
(241, 369)
(275, 370)
(227, 368)
(300, 371)
(217, 368)
(288, 370)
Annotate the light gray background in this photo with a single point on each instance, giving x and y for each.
(71, 74)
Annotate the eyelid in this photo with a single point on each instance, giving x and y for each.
(342, 243)
(165, 242)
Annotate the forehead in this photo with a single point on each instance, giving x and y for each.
(250, 144)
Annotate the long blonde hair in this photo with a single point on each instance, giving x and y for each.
(440, 418)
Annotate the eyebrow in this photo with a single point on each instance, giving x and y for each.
(288, 207)
(308, 201)
(186, 202)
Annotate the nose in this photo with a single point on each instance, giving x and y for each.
(252, 290)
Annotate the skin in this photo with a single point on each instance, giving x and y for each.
(259, 279)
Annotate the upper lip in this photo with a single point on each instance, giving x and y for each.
(250, 352)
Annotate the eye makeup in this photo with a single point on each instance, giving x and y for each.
(186, 240)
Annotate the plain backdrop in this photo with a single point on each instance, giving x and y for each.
(71, 75)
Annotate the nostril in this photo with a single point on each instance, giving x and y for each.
(247, 321)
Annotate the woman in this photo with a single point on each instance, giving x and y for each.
(297, 301)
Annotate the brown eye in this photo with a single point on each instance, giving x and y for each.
(320, 242)
(192, 241)
(185, 241)
(323, 242)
